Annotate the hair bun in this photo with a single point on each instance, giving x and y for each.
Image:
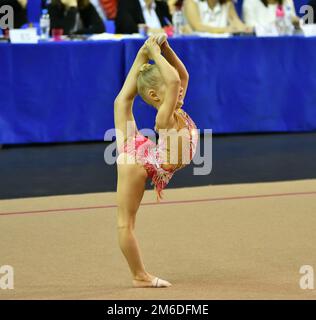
(145, 67)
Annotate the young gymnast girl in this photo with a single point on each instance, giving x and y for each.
(162, 85)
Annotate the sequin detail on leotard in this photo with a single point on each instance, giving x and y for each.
(150, 155)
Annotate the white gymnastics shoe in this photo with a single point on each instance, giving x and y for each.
(154, 283)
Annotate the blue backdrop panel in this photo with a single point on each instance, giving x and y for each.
(58, 91)
(65, 91)
(244, 84)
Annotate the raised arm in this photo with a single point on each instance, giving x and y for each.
(174, 60)
(170, 76)
(235, 22)
(129, 89)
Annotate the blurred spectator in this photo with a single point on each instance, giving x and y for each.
(173, 4)
(130, 13)
(110, 8)
(19, 8)
(99, 8)
(75, 16)
(263, 12)
(214, 16)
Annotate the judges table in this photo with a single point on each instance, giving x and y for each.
(64, 91)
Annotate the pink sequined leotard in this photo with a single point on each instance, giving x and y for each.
(149, 154)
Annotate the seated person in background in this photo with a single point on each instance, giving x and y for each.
(99, 9)
(175, 5)
(130, 13)
(19, 9)
(75, 17)
(263, 12)
(109, 8)
(214, 16)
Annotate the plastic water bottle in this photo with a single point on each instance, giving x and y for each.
(280, 20)
(45, 25)
(288, 20)
(178, 22)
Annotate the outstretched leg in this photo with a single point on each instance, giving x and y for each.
(130, 190)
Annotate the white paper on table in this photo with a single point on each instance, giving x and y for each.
(111, 36)
(212, 35)
(28, 35)
(309, 30)
(133, 36)
(269, 30)
(104, 36)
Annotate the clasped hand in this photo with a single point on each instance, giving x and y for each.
(152, 46)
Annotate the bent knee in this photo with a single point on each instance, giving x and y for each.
(126, 224)
(128, 227)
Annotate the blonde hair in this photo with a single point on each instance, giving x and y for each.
(149, 78)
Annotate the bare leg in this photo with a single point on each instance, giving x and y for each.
(130, 190)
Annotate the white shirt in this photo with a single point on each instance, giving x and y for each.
(216, 17)
(256, 13)
(150, 16)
